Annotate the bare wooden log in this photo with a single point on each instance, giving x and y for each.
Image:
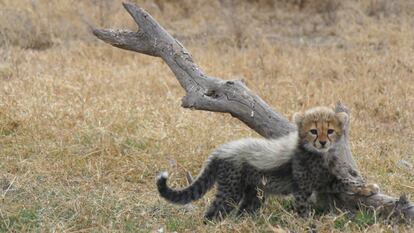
(203, 92)
(208, 93)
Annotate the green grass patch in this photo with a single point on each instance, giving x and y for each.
(139, 145)
(364, 218)
(341, 222)
(24, 220)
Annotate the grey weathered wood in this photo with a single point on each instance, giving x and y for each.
(344, 145)
(208, 93)
(203, 92)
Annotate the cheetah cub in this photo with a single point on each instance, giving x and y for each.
(316, 165)
(299, 163)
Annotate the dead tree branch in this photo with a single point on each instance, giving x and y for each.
(208, 93)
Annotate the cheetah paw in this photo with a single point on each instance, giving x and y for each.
(368, 190)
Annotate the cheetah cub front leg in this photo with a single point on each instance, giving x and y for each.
(349, 180)
(367, 189)
(356, 187)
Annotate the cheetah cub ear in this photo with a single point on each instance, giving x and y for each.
(342, 118)
(297, 118)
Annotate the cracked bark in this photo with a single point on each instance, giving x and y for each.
(208, 93)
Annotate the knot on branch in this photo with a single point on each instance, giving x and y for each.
(228, 89)
(239, 82)
(213, 93)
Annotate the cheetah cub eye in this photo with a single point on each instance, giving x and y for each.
(313, 131)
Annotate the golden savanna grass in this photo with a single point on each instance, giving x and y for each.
(85, 127)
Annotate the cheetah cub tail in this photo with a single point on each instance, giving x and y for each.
(195, 191)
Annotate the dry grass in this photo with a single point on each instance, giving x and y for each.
(85, 127)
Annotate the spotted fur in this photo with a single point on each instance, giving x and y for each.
(300, 163)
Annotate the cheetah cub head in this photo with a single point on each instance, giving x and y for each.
(320, 128)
